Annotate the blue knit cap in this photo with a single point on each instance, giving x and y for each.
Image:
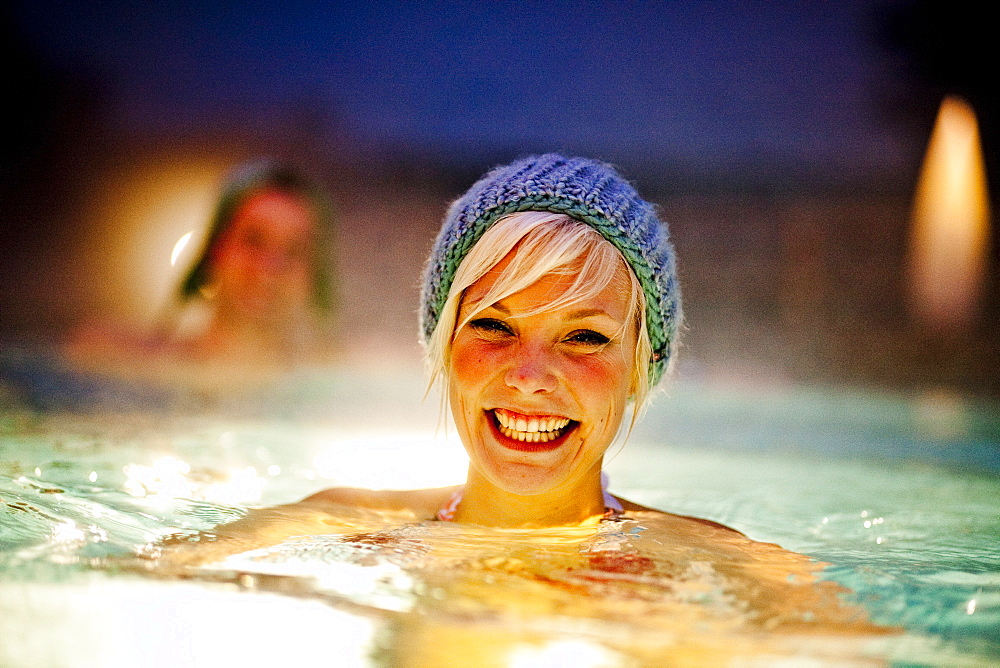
(589, 191)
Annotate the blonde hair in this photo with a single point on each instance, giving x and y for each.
(543, 243)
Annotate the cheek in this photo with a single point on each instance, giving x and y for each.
(220, 254)
(231, 259)
(607, 376)
(602, 386)
(470, 363)
(465, 383)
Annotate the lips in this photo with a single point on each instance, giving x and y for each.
(531, 432)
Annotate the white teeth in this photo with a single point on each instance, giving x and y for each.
(530, 429)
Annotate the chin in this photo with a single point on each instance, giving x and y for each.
(526, 468)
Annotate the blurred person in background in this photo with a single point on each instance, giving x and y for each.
(261, 292)
(256, 305)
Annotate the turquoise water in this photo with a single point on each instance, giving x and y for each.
(900, 495)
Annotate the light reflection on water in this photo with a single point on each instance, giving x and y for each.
(97, 621)
(914, 539)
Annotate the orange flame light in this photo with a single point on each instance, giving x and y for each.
(950, 224)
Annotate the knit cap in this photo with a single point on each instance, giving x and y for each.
(587, 190)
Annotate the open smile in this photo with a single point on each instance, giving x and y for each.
(531, 432)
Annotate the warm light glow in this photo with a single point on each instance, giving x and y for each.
(140, 216)
(383, 585)
(167, 476)
(406, 460)
(950, 223)
(179, 247)
(243, 486)
(68, 532)
(172, 478)
(136, 622)
(577, 653)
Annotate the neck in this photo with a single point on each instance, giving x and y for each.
(486, 504)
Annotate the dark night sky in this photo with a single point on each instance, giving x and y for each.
(702, 83)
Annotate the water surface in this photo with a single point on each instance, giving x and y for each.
(900, 496)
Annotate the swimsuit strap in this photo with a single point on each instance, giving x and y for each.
(612, 506)
(447, 512)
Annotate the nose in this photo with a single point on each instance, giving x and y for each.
(531, 371)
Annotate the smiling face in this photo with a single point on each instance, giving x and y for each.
(538, 395)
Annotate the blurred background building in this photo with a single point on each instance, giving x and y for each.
(783, 142)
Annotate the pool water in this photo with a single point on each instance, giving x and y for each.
(899, 495)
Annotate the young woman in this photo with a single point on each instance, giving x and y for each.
(550, 310)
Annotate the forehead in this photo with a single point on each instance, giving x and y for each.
(275, 211)
(613, 298)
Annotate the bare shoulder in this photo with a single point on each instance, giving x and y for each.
(421, 502)
(631, 506)
(332, 511)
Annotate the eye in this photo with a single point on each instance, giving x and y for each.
(588, 338)
(491, 327)
(253, 239)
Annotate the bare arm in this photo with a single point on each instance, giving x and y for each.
(630, 506)
(341, 510)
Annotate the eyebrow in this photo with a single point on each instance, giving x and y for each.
(587, 313)
(498, 306)
(579, 314)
